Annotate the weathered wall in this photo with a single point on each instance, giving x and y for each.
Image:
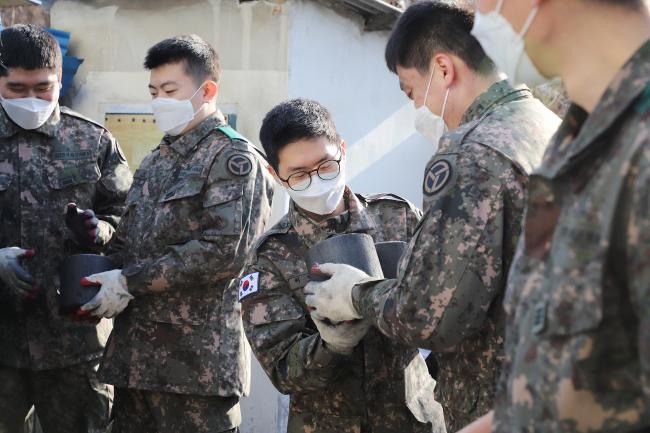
(24, 14)
(113, 38)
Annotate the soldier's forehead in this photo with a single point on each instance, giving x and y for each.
(20, 76)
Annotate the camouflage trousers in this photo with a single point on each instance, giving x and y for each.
(139, 411)
(67, 400)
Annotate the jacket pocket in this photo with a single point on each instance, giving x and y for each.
(183, 189)
(72, 176)
(573, 299)
(223, 210)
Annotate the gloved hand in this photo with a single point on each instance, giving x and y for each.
(14, 276)
(332, 299)
(83, 224)
(113, 295)
(344, 337)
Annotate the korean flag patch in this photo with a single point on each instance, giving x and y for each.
(248, 284)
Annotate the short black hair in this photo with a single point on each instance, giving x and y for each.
(429, 27)
(30, 47)
(293, 120)
(200, 58)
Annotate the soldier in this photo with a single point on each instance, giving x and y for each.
(177, 355)
(577, 328)
(447, 296)
(50, 156)
(344, 378)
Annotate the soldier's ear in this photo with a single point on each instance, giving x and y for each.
(275, 175)
(446, 67)
(210, 91)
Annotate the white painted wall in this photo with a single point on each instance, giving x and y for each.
(332, 60)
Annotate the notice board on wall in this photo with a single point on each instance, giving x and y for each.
(136, 133)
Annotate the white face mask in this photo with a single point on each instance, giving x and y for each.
(429, 124)
(506, 47)
(29, 113)
(173, 115)
(323, 196)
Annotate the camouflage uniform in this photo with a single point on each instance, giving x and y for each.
(45, 358)
(578, 300)
(452, 277)
(197, 203)
(333, 393)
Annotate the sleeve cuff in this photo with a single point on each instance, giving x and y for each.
(136, 279)
(324, 357)
(361, 294)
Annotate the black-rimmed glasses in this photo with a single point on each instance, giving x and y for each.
(326, 170)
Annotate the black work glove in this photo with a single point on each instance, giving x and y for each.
(83, 224)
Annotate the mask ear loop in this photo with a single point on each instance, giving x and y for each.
(444, 105)
(190, 99)
(197, 91)
(499, 6)
(426, 93)
(528, 23)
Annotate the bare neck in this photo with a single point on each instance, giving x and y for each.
(470, 87)
(593, 58)
(206, 111)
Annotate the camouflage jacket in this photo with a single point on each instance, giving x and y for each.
(578, 297)
(332, 393)
(67, 159)
(452, 277)
(197, 203)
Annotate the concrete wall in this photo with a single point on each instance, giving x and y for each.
(251, 39)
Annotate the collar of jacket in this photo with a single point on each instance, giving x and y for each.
(359, 219)
(187, 142)
(49, 128)
(498, 93)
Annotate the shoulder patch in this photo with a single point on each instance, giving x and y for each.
(239, 164)
(437, 177)
(248, 285)
(229, 132)
(242, 143)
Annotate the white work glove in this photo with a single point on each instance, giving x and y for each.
(15, 277)
(113, 295)
(332, 299)
(343, 337)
